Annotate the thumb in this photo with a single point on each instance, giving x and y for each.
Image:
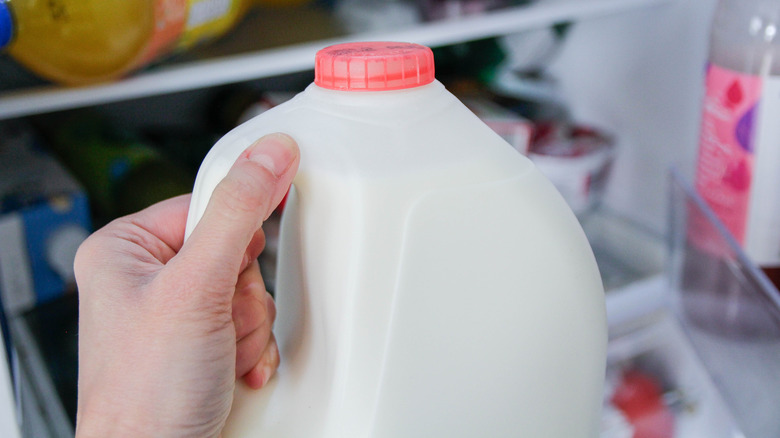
(248, 194)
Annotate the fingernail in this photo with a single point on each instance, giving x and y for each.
(268, 372)
(275, 152)
(270, 305)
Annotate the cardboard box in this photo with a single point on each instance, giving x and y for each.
(44, 217)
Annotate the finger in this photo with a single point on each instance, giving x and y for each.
(253, 307)
(254, 249)
(247, 195)
(253, 312)
(165, 220)
(249, 350)
(157, 231)
(262, 372)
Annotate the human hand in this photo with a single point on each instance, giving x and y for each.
(165, 326)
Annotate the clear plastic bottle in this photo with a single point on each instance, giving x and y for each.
(86, 41)
(738, 170)
(744, 36)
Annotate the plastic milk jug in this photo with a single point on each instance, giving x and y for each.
(431, 282)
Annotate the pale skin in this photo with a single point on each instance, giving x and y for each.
(167, 327)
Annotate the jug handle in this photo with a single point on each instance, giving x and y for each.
(213, 169)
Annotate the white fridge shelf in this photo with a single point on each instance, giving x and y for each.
(286, 59)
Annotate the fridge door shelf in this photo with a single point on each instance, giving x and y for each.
(728, 309)
(702, 337)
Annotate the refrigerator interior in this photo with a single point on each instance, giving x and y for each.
(633, 68)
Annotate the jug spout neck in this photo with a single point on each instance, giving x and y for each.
(393, 98)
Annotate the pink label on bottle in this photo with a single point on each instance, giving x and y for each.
(726, 151)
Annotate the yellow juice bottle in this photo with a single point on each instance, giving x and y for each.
(85, 41)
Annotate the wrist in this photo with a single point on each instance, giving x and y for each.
(123, 418)
(94, 423)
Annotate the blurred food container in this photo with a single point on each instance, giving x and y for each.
(121, 171)
(509, 125)
(44, 217)
(443, 9)
(577, 159)
(376, 15)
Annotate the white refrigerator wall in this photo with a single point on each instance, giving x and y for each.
(640, 75)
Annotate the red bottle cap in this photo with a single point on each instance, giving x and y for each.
(373, 66)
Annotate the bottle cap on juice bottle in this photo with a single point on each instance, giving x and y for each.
(373, 66)
(6, 25)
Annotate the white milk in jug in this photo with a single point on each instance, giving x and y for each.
(431, 282)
